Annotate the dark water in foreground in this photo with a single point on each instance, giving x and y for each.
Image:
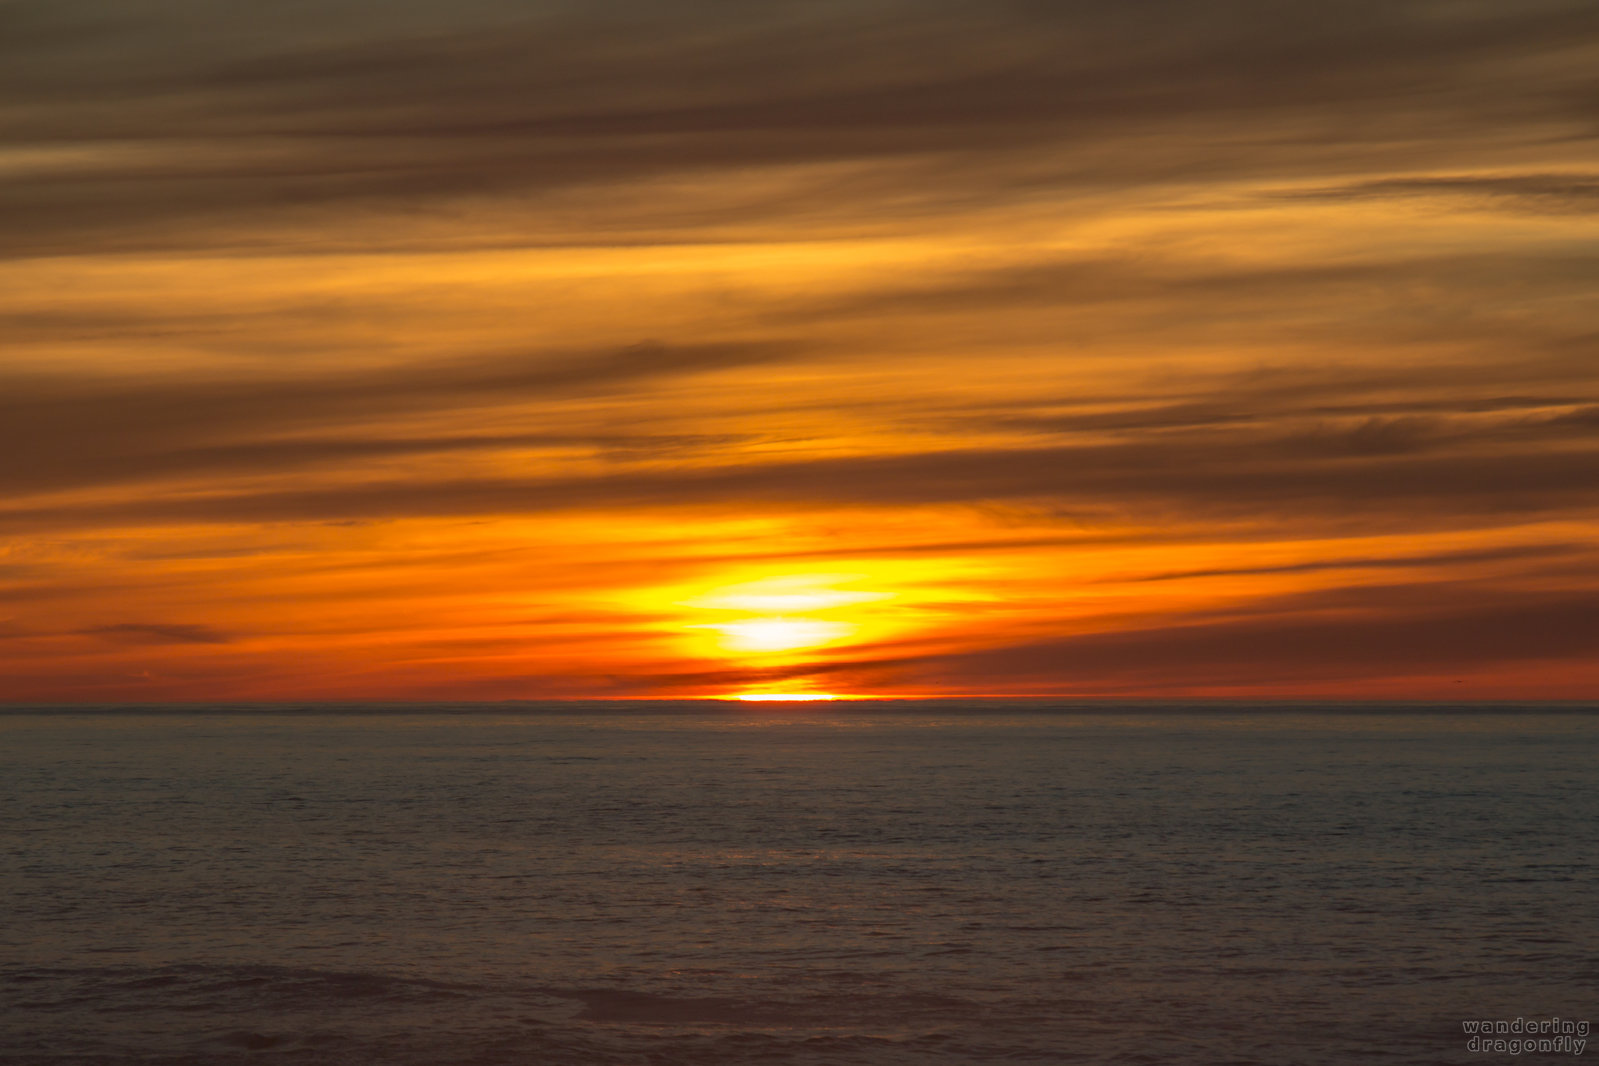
(838, 884)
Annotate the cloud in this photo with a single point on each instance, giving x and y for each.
(157, 633)
(1477, 300)
(73, 432)
(1158, 270)
(187, 126)
(1553, 193)
(1287, 443)
(1509, 553)
(1376, 634)
(1586, 418)
(1190, 478)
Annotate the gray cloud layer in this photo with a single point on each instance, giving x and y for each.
(1194, 478)
(157, 633)
(1287, 445)
(1389, 636)
(210, 118)
(59, 432)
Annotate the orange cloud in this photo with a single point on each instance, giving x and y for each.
(1016, 348)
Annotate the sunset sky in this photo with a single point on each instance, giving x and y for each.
(492, 350)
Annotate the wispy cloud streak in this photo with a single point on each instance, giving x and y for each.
(366, 349)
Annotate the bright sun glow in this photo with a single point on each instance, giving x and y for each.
(776, 618)
(784, 697)
(779, 634)
(786, 594)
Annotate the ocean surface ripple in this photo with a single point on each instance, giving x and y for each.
(842, 884)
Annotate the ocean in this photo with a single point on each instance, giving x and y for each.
(849, 883)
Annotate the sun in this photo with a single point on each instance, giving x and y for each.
(785, 697)
(766, 635)
(777, 617)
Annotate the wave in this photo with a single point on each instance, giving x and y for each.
(200, 1015)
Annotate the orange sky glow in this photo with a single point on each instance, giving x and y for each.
(497, 351)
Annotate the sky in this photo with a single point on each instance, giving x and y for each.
(493, 350)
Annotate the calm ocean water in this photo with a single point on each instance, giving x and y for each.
(851, 883)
